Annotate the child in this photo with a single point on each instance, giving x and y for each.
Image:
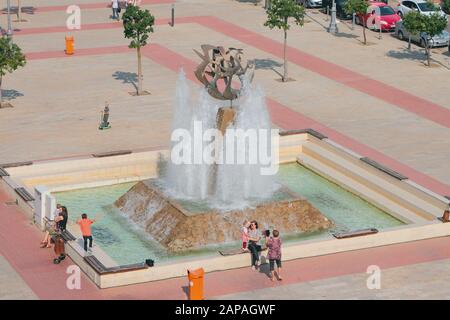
(245, 227)
(85, 226)
(274, 255)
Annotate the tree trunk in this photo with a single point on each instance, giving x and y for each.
(285, 74)
(139, 90)
(409, 42)
(19, 11)
(1, 92)
(364, 30)
(427, 48)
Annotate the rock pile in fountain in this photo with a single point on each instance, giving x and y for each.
(178, 229)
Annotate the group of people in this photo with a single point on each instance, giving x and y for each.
(59, 224)
(251, 238)
(117, 5)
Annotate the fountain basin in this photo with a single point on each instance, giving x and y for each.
(178, 229)
(90, 184)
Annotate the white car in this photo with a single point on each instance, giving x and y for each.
(405, 6)
(310, 3)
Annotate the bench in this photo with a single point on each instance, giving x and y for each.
(102, 270)
(24, 194)
(234, 251)
(356, 233)
(384, 169)
(67, 236)
(111, 153)
(16, 164)
(3, 172)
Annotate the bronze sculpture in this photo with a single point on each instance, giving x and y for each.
(216, 72)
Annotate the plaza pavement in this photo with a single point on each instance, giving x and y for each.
(379, 99)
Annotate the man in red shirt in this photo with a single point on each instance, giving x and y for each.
(85, 226)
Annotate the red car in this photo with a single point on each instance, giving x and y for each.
(379, 14)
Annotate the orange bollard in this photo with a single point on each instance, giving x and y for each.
(69, 45)
(196, 284)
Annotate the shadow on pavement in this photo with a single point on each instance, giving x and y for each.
(11, 94)
(126, 77)
(267, 64)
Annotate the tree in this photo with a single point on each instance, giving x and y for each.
(427, 26)
(11, 58)
(138, 24)
(412, 22)
(278, 15)
(359, 8)
(446, 6)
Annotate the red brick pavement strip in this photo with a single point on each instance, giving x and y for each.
(83, 6)
(281, 115)
(384, 92)
(374, 88)
(48, 281)
(19, 244)
(84, 27)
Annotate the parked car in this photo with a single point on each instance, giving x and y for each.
(379, 15)
(310, 3)
(424, 7)
(440, 40)
(340, 12)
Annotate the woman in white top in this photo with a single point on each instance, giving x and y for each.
(115, 9)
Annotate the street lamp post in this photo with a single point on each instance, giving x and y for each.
(9, 31)
(333, 26)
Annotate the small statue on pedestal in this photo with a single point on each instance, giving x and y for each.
(104, 124)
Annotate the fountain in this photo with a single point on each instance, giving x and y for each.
(194, 202)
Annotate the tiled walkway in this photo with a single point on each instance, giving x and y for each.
(19, 240)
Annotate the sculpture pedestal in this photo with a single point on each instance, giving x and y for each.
(180, 226)
(225, 116)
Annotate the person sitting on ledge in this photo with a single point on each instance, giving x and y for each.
(50, 232)
(254, 237)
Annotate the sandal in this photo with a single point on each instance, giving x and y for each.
(43, 244)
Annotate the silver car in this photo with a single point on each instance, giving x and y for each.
(421, 6)
(439, 40)
(310, 3)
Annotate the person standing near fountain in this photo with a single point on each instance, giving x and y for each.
(274, 254)
(254, 236)
(85, 226)
(245, 227)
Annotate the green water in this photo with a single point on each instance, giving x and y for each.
(345, 209)
(127, 244)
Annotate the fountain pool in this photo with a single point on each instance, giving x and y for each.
(126, 243)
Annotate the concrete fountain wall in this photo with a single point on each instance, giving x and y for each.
(397, 195)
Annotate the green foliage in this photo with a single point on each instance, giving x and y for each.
(432, 24)
(281, 10)
(137, 24)
(446, 6)
(414, 22)
(356, 6)
(11, 56)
